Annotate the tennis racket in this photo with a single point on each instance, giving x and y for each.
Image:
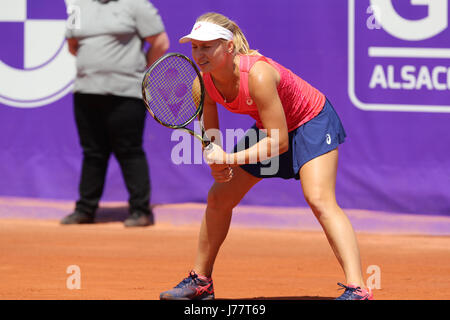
(174, 93)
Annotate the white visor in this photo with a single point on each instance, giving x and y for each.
(207, 31)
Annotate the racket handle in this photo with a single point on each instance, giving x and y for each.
(207, 145)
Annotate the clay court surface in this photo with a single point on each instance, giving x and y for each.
(254, 263)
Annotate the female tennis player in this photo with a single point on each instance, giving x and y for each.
(301, 128)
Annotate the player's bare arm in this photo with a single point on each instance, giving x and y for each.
(220, 172)
(263, 81)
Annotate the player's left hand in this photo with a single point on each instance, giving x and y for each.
(215, 155)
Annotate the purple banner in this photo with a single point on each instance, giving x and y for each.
(385, 66)
(399, 57)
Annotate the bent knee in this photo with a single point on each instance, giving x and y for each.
(220, 199)
(321, 203)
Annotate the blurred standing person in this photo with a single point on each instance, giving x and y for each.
(109, 113)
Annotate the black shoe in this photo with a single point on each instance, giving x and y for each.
(78, 218)
(138, 219)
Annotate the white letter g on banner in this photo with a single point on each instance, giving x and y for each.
(412, 30)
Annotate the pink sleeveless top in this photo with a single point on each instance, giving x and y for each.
(301, 102)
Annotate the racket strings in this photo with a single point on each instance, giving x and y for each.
(173, 91)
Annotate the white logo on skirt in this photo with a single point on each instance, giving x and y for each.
(328, 138)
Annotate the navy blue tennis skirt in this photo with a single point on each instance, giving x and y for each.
(314, 138)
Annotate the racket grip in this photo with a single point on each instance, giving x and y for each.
(207, 145)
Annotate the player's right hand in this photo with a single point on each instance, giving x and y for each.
(221, 172)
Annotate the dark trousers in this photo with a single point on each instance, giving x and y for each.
(111, 124)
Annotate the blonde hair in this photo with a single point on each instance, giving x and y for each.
(240, 42)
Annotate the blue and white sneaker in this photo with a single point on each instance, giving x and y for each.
(194, 287)
(353, 292)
